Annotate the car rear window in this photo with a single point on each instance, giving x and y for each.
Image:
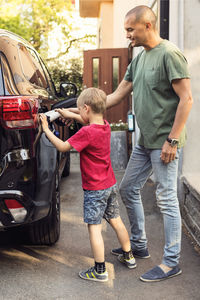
(31, 67)
(1, 81)
(9, 83)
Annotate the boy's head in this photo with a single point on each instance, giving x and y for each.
(93, 97)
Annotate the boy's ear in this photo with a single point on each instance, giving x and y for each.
(86, 107)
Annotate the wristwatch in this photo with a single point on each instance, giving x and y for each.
(173, 142)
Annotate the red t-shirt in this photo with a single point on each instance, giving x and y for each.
(93, 143)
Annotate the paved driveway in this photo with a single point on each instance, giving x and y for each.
(51, 273)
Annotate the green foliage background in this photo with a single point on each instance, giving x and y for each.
(34, 20)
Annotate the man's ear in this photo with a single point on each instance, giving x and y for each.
(148, 26)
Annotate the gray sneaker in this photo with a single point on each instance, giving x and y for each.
(91, 274)
(130, 263)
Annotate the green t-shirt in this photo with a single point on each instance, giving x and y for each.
(155, 102)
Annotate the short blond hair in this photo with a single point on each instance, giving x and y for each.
(93, 97)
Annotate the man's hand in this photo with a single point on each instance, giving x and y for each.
(168, 153)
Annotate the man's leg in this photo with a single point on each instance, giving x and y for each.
(137, 172)
(166, 194)
(167, 200)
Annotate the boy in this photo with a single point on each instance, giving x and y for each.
(98, 179)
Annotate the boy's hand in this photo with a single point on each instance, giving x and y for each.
(66, 114)
(44, 122)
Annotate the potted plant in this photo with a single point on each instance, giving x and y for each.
(119, 152)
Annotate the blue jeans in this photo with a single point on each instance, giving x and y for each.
(141, 164)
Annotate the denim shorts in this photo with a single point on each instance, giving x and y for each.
(101, 204)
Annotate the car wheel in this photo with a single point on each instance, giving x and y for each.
(47, 230)
(66, 170)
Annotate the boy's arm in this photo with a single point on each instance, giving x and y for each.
(74, 109)
(68, 114)
(58, 143)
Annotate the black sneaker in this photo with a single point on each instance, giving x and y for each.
(143, 253)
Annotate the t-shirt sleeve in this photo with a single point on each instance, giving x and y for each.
(80, 139)
(128, 74)
(176, 65)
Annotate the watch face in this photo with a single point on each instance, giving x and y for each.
(174, 142)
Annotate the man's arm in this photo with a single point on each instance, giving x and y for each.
(183, 90)
(123, 89)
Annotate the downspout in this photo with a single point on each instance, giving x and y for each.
(181, 24)
(164, 19)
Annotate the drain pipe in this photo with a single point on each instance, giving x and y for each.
(181, 24)
(164, 19)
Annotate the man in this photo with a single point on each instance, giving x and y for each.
(160, 82)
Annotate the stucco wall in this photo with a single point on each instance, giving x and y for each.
(184, 32)
(191, 161)
(106, 25)
(120, 8)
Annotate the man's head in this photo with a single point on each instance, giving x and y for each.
(140, 23)
(94, 98)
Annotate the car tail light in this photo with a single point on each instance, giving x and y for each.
(19, 112)
(17, 210)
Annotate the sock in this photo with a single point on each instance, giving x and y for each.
(100, 267)
(127, 255)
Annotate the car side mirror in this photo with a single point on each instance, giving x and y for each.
(68, 90)
(66, 103)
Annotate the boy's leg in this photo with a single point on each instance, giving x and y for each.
(112, 216)
(96, 241)
(93, 213)
(122, 233)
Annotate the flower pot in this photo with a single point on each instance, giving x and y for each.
(119, 154)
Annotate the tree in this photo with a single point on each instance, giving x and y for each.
(37, 21)
(33, 19)
(73, 73)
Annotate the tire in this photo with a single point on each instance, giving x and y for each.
(47, 230)
(66, 170)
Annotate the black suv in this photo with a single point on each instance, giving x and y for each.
(30, 167)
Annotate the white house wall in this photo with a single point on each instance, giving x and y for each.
(184, 32)
(106, 25)
(121, 7)
(192, 51)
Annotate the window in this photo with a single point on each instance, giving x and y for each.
(9, 82)
(95, 72)
(31, 67)
(115, 73)
(1, 81)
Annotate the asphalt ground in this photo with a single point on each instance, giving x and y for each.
(51, 273)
